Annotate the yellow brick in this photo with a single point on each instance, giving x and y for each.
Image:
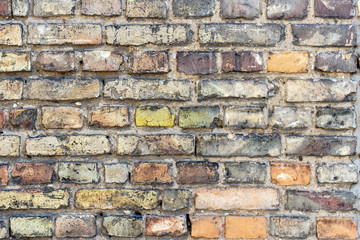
(9, 146)
(288, 62)
(11, 34)
(155, 116)
(15, 62)
(31, 226)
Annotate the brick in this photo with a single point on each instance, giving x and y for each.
(154, 116)
(291, 227)
(4, 177)
(334, 8)
(61, 117)
(11, 89)
(236, 198)
(156, 144)
(314, 201)
(34, 199)
(287, 174)
(196, 62)
(147, 8)
(324, 35)
(320, 90)
(123, 226)
(244, 89)
(2, 119)
(25, 227)
(10, 146)
(193, 8)
(284, 117)
(59, 34)
(242, 61)
(245, 227)
(116, 199)
(56, 61)
(245, 117)
(116, 173)
(151, 173)
(243, 34)
(175, 199)
(75, 226)
(197, 172)
(102, 61)
(61, 89)
(337, 173)
(32, 173)
(336, 228)
(150, 62)
(248, 9)
(5, 8)
(72, 145)
(4, 233)
(15, 62)
(206, 227)
(288, 62)
(246, 172)
(336, 62)
(22, 118)
(159, 226)
(72, 172)
(49, 8)
(11, 34)
(229, 145)
(140, 34)
(109, 117)
(103, 8)
(335, 118)
(285, 9)
(148, 89)
(200, 117)
(320, 145)
(20, 8)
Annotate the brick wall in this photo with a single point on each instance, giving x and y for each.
(219, 119)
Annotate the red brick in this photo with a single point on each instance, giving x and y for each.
(147, 173)
(196, 62)
(242, 61)
(197, 172)
(32, 173)
(165, 226)
(2, 119)
(334, 8)
(150, 62)
(5, 7)
(23, 118)
(206, 227)
(336, 228)
(4, 176)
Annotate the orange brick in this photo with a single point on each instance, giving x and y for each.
(159, 226)
(4, 177)
(206, 226)
(336, 228)
(286, 174)
(245, 227)
(288, 62)
(151, 173)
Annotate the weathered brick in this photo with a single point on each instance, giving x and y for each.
(123, 226)
(324, 35)
(287, 174)
(197, 172)
(320, 145)
(10, 146)
(200, 117)
(49, 8)
(337, 173)
(334, 8)
(154, 116)
(159, 226)
(4, 232)
(140, 34)
(156, 144)
(104, 7)
(196, 62)
(61, 117)
(25, 227)
(291, 227)
(147, 8)
(11, 34)
(245, 117)
(148, 89)
(72, 172)
(2, 119)
(285, 117)
(228, 145)
(193, 8)
(58, 34)
(5, 8)
(313, 201)
(151, 173)
(244, 34)
(336, 228)
(116, 199)
(150, 62)
(245, 227)
(236, 198)
(288, 62)
(249, 9)
(101, 61)
(109, 117)
(22, 118)
(20, 8)
(321, 90)
(75, 226)
(206, 227)
(11, 89)
(34, 199)
(175, 199)
(15, 62)
(287, 9)
(61, 89)
(246, 172)
(336, 62)
(72, 145)
(242, 61)
(116, 173)
(32, 173)
(4, 177)
(56, 61)
(335, 118)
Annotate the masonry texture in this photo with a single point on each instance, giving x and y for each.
(179, 119)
